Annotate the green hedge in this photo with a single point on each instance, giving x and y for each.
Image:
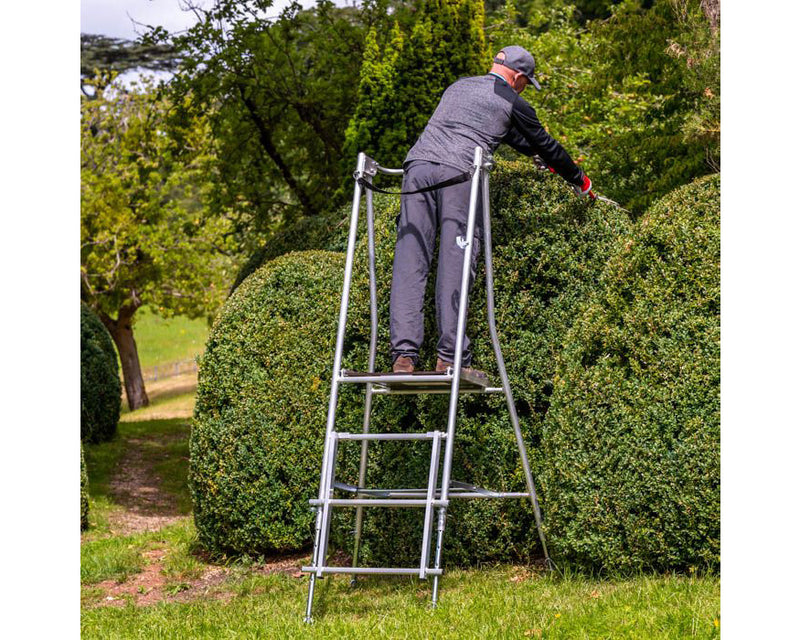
(101, 391)
(84, 494)
(327, 231)
(633, 433)
(265, 378)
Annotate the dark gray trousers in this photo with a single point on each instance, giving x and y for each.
(420, 216)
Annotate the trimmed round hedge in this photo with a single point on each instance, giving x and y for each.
(101, 391)
(264, 383)
(326, 231)
(633, 432)
(84, 494)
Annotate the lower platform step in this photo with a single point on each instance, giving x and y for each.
(400, 571)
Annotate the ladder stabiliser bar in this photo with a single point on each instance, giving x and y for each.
(458, 490)
(435, 497)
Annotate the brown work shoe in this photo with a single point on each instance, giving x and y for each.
(442, 366)
(403, 364)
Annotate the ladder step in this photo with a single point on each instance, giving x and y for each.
(377, 502)
(400, 571)
(417, 382)
(430, 435)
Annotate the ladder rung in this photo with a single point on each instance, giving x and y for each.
(384, 391)
(416, 382)
(401, 571)
(376, 502)
(430, 435)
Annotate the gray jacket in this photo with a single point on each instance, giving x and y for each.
(485, 111)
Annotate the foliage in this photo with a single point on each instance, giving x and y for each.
(399, 90)
(261, 400)
(103, 56)
(327, 232)
(264, 382)
(633, 98)
(84, 494)
(633, 434)
(278, 94)
(549, 248)
(145, 235)
(100, 385)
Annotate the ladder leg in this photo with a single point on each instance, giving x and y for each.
(373, 347)
(324, 489)
(362, 478)
(457, 359)
(438, 556)
(426, 527)
(323, 518)
(501, 367)
(314, 555)
(325, 529)
(310, 602)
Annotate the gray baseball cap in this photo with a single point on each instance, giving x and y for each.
(519, 59)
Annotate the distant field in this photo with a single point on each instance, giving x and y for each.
(163, 341)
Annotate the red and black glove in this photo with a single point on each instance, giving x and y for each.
(585, 188)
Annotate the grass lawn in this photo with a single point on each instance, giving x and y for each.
(161, 341)
(500, 602)
(143, 574)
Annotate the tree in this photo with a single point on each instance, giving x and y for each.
(281, 92)
(399, 91)
(635, 98)
(102, 54)
(146, 237)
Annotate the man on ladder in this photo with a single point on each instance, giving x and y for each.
(474, 111)
(473, 117)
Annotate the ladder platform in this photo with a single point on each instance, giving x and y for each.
(399, 571)
(430, 435)
(418, 381)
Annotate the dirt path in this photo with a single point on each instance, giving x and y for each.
(146, 506)
(151, 587)
(137, 488)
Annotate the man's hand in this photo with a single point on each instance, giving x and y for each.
(540, 164)
(585, 188)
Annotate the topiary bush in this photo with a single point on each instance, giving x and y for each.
(84, 494)
(261, 402)
(264, 382)
(326, 231)
(549, 249)
(101, 391)
(632, 437)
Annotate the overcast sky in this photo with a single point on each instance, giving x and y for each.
(113, 17)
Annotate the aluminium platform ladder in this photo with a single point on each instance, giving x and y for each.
(438, 493)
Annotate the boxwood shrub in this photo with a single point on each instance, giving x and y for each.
(265, 378)
(326, 231)
(101, 391)
(632, 438)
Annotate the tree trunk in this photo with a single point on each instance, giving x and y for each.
(268, 145)
(122, 333)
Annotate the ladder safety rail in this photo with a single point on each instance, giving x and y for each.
(440, 489)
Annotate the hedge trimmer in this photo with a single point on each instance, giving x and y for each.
(593, 196)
